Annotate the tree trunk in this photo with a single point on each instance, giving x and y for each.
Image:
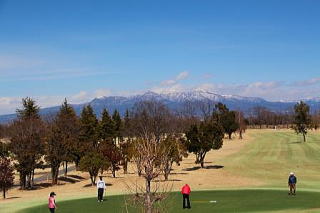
(202, 164)
(113, 171)
(230, 134)
(125, 167)
(148, 204)
(4, 192)
(304, 137)
(66, 168)
(55, 174)
(240, 134)
(32, 178)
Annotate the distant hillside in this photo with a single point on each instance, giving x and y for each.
(176, 101)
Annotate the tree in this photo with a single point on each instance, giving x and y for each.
(151, 160)
(226, 118)
(106, 127)
(92, 162)
(126, 150)
(174, 150)
(113, 155)
(302, 119)
(6, 175)
(117, 125)
(3, 150)
(242, 123)
(62, 138)
(204, 137)
(151, 122)
(29, 109)
(27, 142)
(89, 133)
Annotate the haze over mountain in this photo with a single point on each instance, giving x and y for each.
(176, 101)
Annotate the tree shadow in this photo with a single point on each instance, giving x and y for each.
(76, 177)
(11, 198)
(170, 180)
(206, 167)
(214, 167)
(295, 142)
(192, 168)
(68, 179)
(179, 173)
(90, 185)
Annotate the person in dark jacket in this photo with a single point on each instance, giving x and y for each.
(292, 184)
(185, 191)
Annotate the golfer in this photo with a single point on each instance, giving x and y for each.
(292, 183)
(101, 185)
(52, 202)
(185, 191)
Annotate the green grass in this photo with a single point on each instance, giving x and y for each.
(273, 155)
(227, 201)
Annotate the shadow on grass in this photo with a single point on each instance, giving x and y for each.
(170, 180)
(68, 179)
(11, 198)
(206, 167)
(90, 185)
(76, 177)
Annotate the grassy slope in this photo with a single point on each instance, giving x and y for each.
(276, 153)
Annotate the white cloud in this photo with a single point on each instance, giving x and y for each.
(182, 76)
(309, 82)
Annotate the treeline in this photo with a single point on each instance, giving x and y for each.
(110, 143)
(261, 117)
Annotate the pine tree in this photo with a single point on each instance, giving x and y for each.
(106, 127)
(62, 139)
(27, 141)
(89, 133)
(117, 124)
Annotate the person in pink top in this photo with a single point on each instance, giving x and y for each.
(185, 191)
(52, 202)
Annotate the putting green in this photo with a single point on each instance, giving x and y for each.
(226, 201)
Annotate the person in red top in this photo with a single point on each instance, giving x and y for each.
(52, 202)
(185, 191)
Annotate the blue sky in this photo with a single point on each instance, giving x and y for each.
(82, 49)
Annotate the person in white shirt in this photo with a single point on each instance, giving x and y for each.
(101, 185)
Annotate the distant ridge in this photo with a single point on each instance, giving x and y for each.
(175, 101)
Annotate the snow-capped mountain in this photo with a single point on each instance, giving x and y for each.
(176, 101)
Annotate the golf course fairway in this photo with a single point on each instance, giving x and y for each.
(221, 201)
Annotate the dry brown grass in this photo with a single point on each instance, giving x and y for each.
(199, 179)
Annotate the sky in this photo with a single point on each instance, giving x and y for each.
(79, 49)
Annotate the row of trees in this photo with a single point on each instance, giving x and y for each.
(262, 117)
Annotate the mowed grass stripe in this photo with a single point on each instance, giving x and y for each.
(273, 154)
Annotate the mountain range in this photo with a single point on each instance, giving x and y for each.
(176, 101)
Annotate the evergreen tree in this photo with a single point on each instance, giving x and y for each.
(27, 142)
(89, 130)
(226, 118)
(117, 124)
(29, 109)
(302, 119)
(106, 127)
(62, 139)
(202, 138)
